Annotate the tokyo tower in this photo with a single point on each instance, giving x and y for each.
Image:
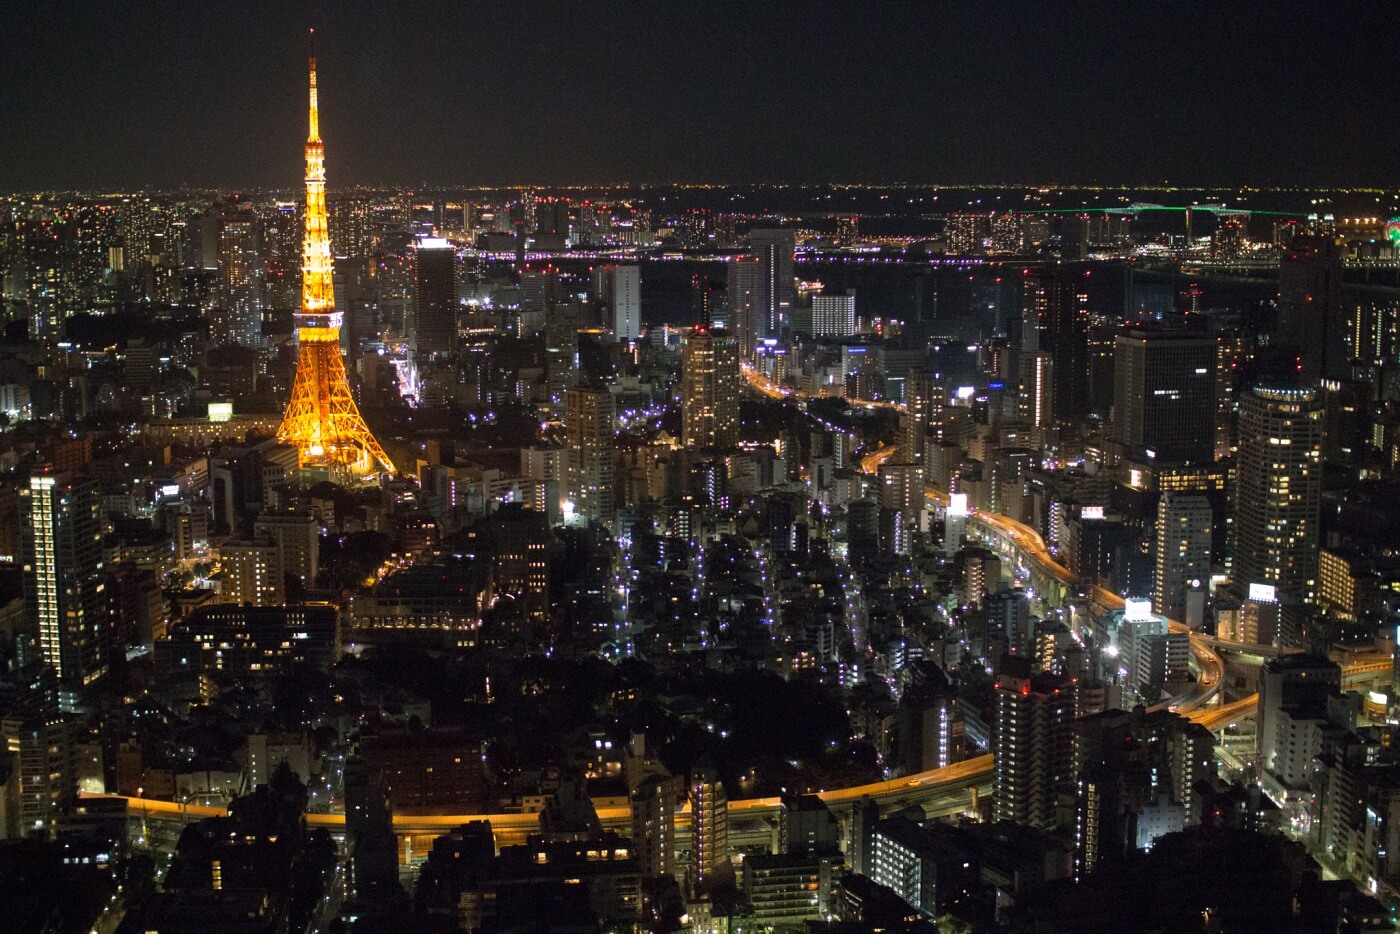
(322, 420)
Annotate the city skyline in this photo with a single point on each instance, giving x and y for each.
(698, 559)
(164, 96)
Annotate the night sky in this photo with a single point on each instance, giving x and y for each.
(130, 95)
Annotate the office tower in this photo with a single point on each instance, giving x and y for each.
(1184, 522)
(434, 296)
(61, 546)
(322, 420)
(1033, 742)
(924, 400)
(1037, 388)
(1298, 685)
(1055, 318)
(1278, 491)
(654, 827)
(297, 537)
(1164, 395)
(744, 280)
(626, 303)
(707, 302)
(589, 420)
(1311, 320)
(709, 830)
(241, 278)
(834, 315)
(710, 390)
(774, 249)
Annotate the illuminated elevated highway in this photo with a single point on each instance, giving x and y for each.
(947, 790)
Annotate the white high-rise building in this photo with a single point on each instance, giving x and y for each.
(627, 303)
(834, 315)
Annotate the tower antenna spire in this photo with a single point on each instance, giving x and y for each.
(315, 133)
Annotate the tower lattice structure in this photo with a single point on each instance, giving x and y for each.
(322, 420)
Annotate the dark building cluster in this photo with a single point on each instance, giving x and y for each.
(698, 558)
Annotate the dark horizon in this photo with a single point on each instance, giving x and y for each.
(169, 95)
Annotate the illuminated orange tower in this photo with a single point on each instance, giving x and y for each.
(322, 419)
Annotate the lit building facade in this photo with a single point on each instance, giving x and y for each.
(590, 423)
(1278, 491)
(61, 547)
(710, 390)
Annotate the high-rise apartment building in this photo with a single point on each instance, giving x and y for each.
(252, 573)
(241, 278)
(1033, 742)
(1183, 543)
(834, 315)
(297, 536)
(1278, 491)
(434, 296)
(654, 827)
(1037, 388)
(590, 423)
(742, 298)
(1297, 683)
(61, 546)
(627, 303)
(710, 390)
(709, 830)
(1164, 395)
(924, 397)
(775, 251)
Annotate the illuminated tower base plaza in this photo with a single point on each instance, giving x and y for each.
(322, 420)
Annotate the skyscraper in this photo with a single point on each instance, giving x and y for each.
(710, 390)
(1038, 388)
(1184, 522)
(322, 420)
(1311, 321)
(1033, 742)
(241, 277)
(61, 545)
(1164, 395)
(589, 420)
(834, 315)
(1055, 318)
(744, 282)
(774, 249)
(707, 302)
(924, 401)
(627, 303)
(434, 296)
(1278, 491)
